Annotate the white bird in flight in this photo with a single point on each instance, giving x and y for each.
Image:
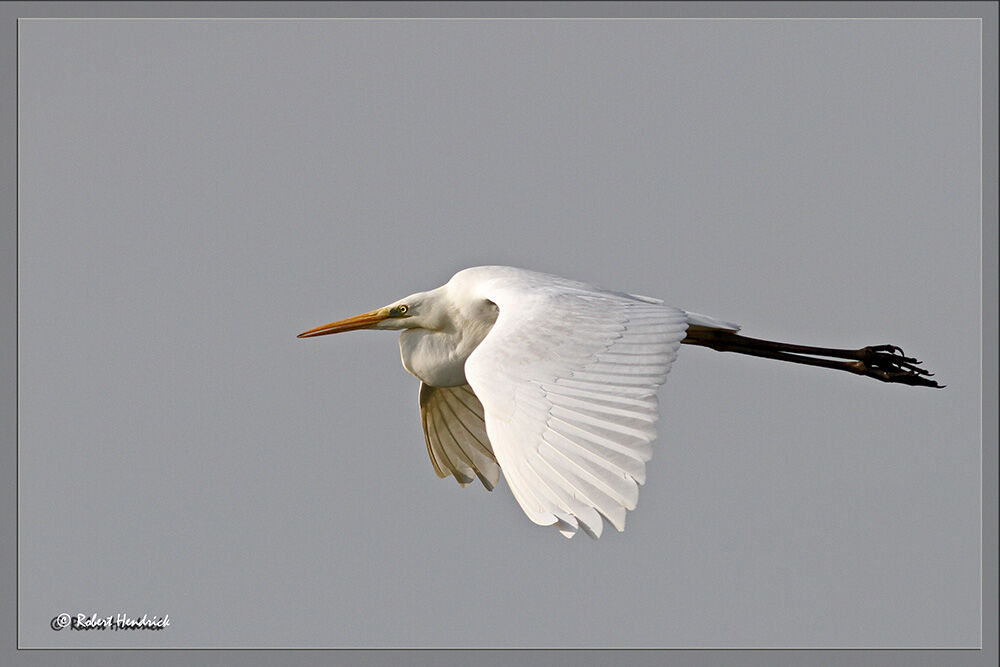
(553, 382)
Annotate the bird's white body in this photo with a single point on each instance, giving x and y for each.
(550, 380)
(462, 313)
(553, 382)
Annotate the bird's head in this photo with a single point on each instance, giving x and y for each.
(423, 310)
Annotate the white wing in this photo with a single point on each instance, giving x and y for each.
(452, 418)
(568, 377)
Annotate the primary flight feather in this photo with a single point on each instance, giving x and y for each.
(553, 382)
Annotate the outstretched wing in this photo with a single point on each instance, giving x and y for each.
(568, 377)
(452, 418)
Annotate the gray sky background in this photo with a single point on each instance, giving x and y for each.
(195, 193)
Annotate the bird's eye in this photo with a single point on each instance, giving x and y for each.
(398, 310)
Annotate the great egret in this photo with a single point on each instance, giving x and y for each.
(554, 381)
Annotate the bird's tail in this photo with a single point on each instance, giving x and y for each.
(706, 322)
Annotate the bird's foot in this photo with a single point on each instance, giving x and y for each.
(889, 363)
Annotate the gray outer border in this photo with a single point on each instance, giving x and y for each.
(10, 11)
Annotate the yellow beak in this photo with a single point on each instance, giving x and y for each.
(362, 321)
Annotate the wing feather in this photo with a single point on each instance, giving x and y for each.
(469, 430)
(457, 442)
(601, 497)
(461, 464)
(567, 378)
(447, 450)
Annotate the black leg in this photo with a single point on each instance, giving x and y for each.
(882, 362)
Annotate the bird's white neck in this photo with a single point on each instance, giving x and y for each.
(438, 357)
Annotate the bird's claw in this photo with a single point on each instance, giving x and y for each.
(890, 364)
